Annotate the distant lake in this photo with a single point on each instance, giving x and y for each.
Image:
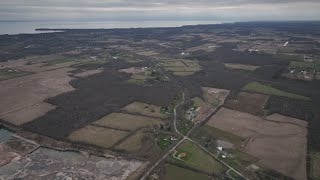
(29, 27)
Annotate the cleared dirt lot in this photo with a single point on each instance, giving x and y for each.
(20, 94)
(252, 103)
(213, 98)
(99, 136)
(127, 121)
(279, 145)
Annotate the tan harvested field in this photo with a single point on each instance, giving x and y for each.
(27, 114)
(246, 67)
(127, 121)
(133, 144)
(280, 145)
(97, 136)
(252, 103)
(144, 109)
(88, 73)
(286, 119)
(41, 67)
(22, 62)
(20, 93)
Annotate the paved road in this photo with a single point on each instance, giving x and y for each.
(173, 148)
(186, 138)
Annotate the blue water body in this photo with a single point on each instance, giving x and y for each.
(29, 27)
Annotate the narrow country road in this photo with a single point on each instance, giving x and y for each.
(186, 138)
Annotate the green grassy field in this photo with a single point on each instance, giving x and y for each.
(6, 74)
(266, 89)
(289, 57)
(306, 65)
(163, 142)
(79, 60)
(198, 159)
(197, 102)
(176, 173)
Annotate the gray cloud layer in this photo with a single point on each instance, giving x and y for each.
(219, 10)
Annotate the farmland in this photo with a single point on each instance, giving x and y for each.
(245, 67)
(197, 159)
(266, 89)
(181, 67)
(226, 101)
(98, 136)
(273, 135)
(248, 102)
(127, 121)
(144, 109)
(174, 172)
(11, 73)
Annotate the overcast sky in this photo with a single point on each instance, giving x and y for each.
(177, 10)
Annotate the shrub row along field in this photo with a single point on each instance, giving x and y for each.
(11, 73)
(266, 89)
(181, 67)
(190, 155)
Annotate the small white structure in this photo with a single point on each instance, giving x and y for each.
(173, 138)
(223, 156)
(219, 148)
